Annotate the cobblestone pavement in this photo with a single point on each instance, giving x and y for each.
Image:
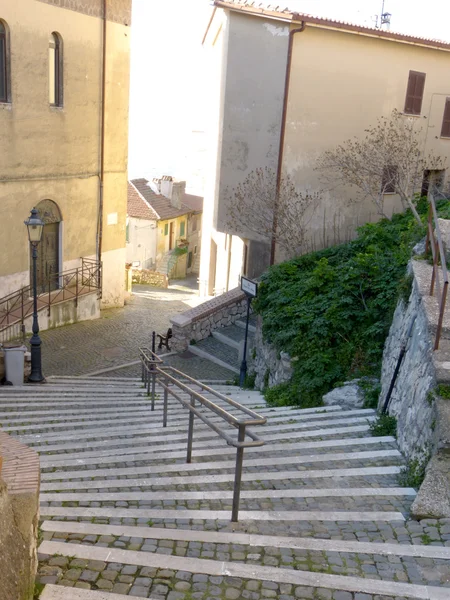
(322, 513)
(113, 339)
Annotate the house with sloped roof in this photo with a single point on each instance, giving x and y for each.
(285, 87)
(163, 227)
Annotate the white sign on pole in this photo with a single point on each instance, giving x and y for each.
(249, 287)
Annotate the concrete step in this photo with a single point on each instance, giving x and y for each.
(61, 592)
(214, 348)
(247, 571)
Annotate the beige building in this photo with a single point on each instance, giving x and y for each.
(164, 227)
(64, 86)
(286, 87)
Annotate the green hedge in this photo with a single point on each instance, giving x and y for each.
(331, 310)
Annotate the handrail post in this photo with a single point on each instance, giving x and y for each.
(153, 372)
(190, 432)
(166, 401)
(148, 378)
(441, 315)
(76, 288)
(238, 475)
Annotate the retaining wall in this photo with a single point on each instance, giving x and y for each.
(198, 323)
(19, 516)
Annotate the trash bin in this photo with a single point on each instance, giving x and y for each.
(14, 363)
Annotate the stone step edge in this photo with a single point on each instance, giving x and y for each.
(60, 592)
(250, 539)
(241, 570)
(223, 515)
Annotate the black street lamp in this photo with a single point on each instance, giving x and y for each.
(35, 227)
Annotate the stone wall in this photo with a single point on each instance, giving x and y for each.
(270, 366)
(417, 375)
(19, 515)
(148, 277)
(198, 323)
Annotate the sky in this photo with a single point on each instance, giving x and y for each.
(167, 97)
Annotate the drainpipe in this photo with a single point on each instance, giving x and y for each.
(282, 136)
(102, 142)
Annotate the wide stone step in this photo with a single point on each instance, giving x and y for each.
(368, 456)
(99, 456)
(215, 348)
(249, 539)
(255, 572)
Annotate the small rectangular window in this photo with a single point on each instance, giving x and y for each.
(182, 228)
(166, 229)
(445, 131)
(414, 93)
(389, 179)
(195, 249)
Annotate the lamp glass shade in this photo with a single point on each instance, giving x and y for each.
(34, 227)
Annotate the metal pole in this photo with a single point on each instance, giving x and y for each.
(154, 342)
(35, 341)
(166, 399)
(238, 475)
(243, 372)
(153, 385)
(190, 432)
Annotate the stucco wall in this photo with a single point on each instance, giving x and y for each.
(142, 245)
(53, 152)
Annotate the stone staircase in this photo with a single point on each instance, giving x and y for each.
(225, 346)
(322, 513)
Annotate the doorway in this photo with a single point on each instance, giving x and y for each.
(171, 235)
(48, 261)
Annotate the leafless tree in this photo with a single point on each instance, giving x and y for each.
(389, 159)
(252, 203)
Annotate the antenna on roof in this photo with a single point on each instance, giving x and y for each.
(385, 19)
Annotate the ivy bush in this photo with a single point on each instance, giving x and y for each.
(331, 310)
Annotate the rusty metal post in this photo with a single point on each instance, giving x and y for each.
(238, 475)
(190, 432)
(166, 401)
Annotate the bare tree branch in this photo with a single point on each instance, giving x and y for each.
(251, 206)
(388, 159)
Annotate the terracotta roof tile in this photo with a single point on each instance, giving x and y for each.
(266, 10)
(160, 203)
(138, 207)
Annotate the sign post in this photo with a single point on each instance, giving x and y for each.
(250, 289)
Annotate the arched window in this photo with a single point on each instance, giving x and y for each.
(4, 63)
(55, 70)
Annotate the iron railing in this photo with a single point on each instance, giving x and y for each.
(57, 288)
(434, 241)
(169, 378)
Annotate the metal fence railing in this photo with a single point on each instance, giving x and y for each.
(434, 242)
(176, 383)
(56, 288)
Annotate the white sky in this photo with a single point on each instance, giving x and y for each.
(167, 85)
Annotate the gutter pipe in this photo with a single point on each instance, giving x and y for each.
(102, 142)
(282, 137)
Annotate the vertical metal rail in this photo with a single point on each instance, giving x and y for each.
(166, 402)
(190, 432)
(238, 475)
(153, 375)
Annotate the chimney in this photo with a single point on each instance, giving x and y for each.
(178, 191)
(166, 186)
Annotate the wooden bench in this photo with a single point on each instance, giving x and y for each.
(164, 339)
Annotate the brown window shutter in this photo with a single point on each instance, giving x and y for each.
(414, 93)
(445, 131)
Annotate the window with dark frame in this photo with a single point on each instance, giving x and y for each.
(445, 131)
(389, 179)
(414, 93)
(55, 67)
(4, 75)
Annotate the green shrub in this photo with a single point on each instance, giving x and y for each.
(443, 391)
(384, 425)
(413, 474)
(331, 310)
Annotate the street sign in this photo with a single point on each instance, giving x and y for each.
(249, 287)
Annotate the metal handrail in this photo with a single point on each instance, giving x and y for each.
(434, 240)
(71, 284)
(153, 370)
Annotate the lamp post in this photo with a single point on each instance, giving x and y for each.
(35, 227)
